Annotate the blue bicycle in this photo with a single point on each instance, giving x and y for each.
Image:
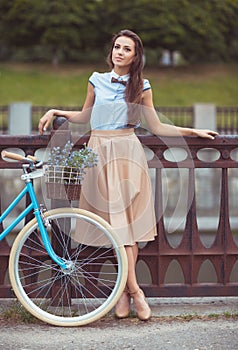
(61, 277)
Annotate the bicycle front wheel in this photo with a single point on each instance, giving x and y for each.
(96, 270)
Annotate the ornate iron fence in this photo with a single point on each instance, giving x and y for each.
(188, 257)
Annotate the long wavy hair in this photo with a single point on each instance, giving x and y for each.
(134, 88)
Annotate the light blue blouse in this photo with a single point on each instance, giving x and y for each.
(110, 109)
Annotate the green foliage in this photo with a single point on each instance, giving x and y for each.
(200, 30)
(57, 25)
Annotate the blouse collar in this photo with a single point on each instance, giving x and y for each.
(120, 77)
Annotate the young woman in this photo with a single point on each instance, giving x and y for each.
(119, 188)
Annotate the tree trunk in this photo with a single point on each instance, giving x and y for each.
(55, 58)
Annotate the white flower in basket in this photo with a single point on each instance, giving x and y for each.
(65, 170)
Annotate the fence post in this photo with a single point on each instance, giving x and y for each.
(20, 118)
(205, 116)
(60, 134)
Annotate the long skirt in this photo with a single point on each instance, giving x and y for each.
(119, 189)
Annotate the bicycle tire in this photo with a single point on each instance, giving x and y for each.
(86, 291)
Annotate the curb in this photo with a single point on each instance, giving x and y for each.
(200, 306)
(166, 307)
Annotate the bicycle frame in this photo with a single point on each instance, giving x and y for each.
(33, 206)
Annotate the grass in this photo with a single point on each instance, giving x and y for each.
(185, 86)
(67, 84)
(16, 313)
(43, 85)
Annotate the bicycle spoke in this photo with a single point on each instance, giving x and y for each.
(94, 275)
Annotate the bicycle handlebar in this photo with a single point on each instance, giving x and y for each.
(15, 156)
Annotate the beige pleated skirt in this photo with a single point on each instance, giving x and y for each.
(118, 189)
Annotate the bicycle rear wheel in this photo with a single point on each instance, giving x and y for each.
(91, 284)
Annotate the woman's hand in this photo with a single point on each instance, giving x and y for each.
(209, 134)
(45, 121)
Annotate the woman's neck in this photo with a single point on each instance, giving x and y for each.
(121, 70)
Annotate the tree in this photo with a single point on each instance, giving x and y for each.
(226, 16)
(210, 26)
(57, 25)
(201, 30)
(20, 22)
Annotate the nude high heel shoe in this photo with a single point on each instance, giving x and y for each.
(141, 306)
(122, 308)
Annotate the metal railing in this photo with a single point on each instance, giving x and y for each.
(185, 250)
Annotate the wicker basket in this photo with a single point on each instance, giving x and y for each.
(63, 182)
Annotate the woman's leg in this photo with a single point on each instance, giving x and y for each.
(123, 305)
(141, 307)
(133, 290)
(132, 254)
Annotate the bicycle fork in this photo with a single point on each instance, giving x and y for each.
(43, 223)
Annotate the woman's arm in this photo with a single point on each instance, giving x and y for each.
(162, 129)
(73, 116)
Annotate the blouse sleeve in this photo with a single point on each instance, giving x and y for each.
(93, 79)
(147, 85)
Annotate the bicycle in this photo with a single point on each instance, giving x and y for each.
(57, 278)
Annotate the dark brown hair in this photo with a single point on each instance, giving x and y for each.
(134, 88)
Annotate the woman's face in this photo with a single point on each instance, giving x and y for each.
(123, 52)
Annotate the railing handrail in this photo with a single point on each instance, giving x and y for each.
(227, 116)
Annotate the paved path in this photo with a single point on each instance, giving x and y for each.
(177, 324)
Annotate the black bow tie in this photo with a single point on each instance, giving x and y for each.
(114, 80)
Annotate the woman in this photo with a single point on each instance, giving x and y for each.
(119, 190)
